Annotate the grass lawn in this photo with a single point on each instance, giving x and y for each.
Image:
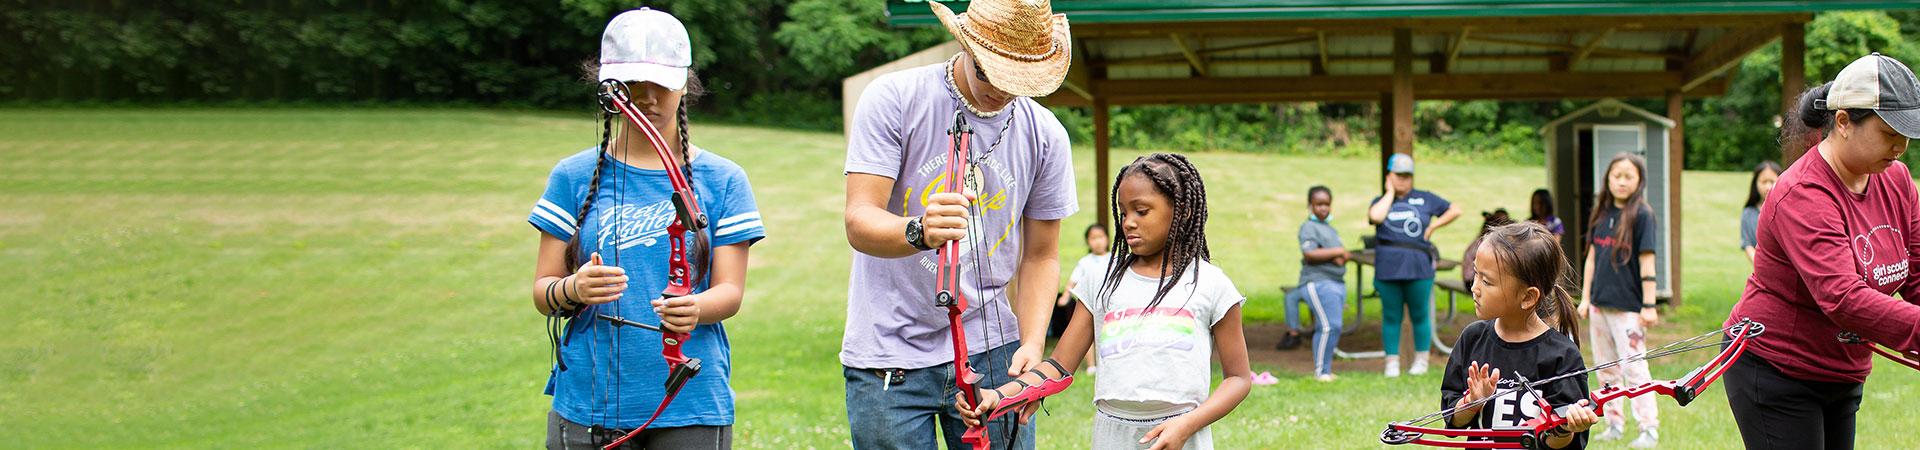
(359, 279)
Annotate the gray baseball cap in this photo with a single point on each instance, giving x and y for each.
(1883, 85)
(1400, 163)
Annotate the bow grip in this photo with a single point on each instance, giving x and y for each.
(1030, 394)
(670, 348)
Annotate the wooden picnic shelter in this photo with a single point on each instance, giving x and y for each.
(1141, 52)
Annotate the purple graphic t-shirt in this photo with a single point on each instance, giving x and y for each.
(900, 131)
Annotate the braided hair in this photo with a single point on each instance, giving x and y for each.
(1176, 178)
(593, 188)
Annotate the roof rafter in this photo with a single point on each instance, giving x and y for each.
(1453, 48)
(1724, 53)
(1592, 44)
(1199, 65)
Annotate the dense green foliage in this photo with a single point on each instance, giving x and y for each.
(1737, 131)
(765, 62)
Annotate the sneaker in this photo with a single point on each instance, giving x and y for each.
(1289, 341)
(1393, 366)
(1325, 377)
(1649, 438)
(1419, 364)
(1612, 432)
(1264, 378)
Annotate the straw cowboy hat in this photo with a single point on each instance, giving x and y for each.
(1022, 45)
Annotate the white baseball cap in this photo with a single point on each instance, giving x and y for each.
(646, 45)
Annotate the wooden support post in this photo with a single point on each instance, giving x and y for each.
(1403, 131)
(1101, 178)
(1793, 81)
(1386, 135)
(1676, 165)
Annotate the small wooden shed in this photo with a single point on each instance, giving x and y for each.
(1580, 144)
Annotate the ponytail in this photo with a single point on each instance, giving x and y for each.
(1809, 122)
(1560, 305)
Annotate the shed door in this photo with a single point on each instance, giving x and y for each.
(1610, 140)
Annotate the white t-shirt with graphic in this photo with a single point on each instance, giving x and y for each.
(1156, 362)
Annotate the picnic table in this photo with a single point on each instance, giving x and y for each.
(1362, 259)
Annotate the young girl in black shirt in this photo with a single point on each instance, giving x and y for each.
(1518, 269)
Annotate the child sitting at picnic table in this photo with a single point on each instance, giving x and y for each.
(1322, 265)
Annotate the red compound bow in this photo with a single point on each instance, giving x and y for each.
(1532, 434)
(617, 100)
(948, 294)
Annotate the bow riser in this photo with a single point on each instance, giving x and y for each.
(950, 294)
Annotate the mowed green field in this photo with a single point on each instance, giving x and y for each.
(359, 279)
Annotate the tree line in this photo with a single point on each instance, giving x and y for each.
(764, 62)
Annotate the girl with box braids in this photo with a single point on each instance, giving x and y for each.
(1173, 176)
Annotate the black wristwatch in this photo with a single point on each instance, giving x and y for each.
(916, 235)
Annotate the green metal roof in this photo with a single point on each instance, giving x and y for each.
(917, 13)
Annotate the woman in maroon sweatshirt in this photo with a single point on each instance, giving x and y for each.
(1839, 238)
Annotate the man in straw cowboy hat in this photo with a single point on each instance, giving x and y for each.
(896, 347)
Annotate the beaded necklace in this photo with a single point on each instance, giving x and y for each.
(954, 89)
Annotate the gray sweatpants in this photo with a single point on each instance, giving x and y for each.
(1111, 432)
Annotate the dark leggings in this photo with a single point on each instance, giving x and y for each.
(563, 434)
(1776, 411)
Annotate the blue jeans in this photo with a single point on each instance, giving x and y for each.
(1413, 298)
(1328, 300)
(902, 416)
